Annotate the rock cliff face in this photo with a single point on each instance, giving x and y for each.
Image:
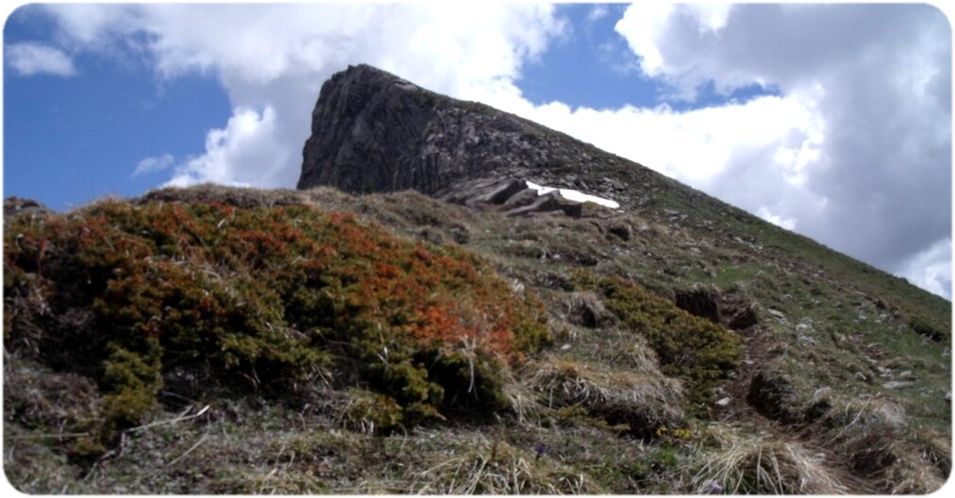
(375, 132)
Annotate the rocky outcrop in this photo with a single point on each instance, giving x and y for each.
(16, 205)
(375, 132)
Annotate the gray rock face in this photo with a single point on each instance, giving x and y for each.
(375, 132)
(15, 205)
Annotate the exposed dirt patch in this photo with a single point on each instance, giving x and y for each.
(732, 312)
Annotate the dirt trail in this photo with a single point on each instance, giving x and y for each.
(761, 348)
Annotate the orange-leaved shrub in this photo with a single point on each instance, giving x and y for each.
(206, 298)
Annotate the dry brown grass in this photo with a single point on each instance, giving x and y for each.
(524, 403)
(869, 435)
(753, 464)
(499, 468)
(645, 402)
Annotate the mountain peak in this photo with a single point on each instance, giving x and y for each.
(373, 131)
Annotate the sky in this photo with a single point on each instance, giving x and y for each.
(830, 120)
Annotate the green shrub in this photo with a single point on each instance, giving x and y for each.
(923, 326)
(371, 412)
(688, 347)
(259, 300)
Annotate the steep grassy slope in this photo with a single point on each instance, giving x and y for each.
(234, 340)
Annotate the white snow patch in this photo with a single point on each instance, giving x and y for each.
(573, 195)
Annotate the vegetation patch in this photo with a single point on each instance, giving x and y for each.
(754, 465)
(498, 468)
(689, 347)
(772, 394)
(645, 404)
(928, 328)
(207, 298)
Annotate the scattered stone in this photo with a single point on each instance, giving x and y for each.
(898, 384)
(839, 339)
(502, 192)
(544, 203)
(522, 198)
(776, 313)
(805, 340)
(517, 286)
(907, 375)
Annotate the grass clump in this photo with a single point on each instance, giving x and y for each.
(643, 403)
(773, 395)
(498, 468)
(370, 412)
(756, 465)
(694, 349)
(928, 328)
(207, 298)
(868, 435)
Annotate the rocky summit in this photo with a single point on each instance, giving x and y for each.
(457, 300)
(375, 132)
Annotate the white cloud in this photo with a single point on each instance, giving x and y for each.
(244, 153)
(28, 59)
(766, 214)
(869, 170)
(154, 164)
(931, 269)
(641, 27)
(697, 146)
(597, 12)
(277, 57)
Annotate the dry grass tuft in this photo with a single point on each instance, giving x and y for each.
(645, 402)
(499, 468)
(909, 475)
(524, 404)
(751, 464)
(866, 433)
(867, 414)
